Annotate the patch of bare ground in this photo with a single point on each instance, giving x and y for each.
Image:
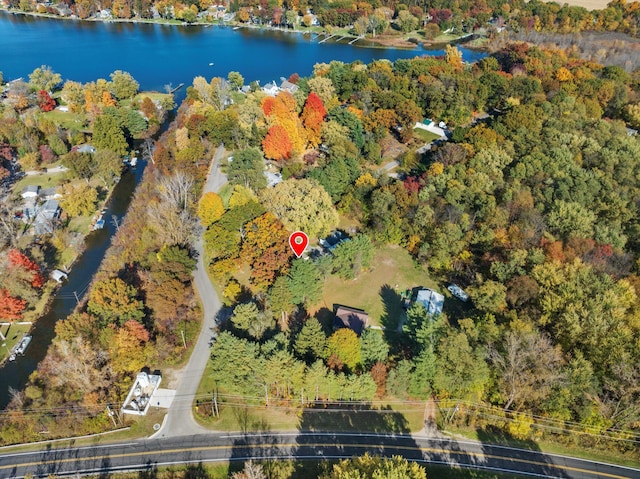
(393, 41)
(588, 4)
(606, 48)
(171, 376)
(391, 148)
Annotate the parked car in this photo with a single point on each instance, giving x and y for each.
(458, 292)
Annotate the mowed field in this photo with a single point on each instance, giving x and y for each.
(377, 291)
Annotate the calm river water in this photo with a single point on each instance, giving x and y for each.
(157, 55)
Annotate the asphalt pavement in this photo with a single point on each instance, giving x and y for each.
(198, 449)
(179, 420)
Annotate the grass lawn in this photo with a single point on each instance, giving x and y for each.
(80, 224)
(424, 135)
(377, 291)
(13, 334)
(225, 193)
(45, 180)
(154, 95)
(66, 119)
(40, 305)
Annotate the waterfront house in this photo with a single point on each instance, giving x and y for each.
(271, 89)
(86, 148)
(287, 86)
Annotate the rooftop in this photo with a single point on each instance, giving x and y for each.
(354, 319)
(431, 300)
(141, 393)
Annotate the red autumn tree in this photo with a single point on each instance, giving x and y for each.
(10, 308)
(45, 102)
(19, 260)
(312, 117)
(294, 78)
(277, 144)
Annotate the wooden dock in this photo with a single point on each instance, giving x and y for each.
(177, 88)
(327, 38)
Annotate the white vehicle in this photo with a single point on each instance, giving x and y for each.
(458, 292)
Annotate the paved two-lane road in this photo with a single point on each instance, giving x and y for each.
(152, 453)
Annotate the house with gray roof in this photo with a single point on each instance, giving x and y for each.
(431, 300)
(30, 191)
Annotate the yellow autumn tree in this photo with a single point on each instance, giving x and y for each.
(210, 209)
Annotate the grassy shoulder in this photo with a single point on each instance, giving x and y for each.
(293, 470)
(237, 414)
(551, 447)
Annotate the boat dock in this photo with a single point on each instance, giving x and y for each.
(20, 348)
(327, 38)
(177, 88)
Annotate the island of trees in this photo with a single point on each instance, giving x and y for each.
(530, 206)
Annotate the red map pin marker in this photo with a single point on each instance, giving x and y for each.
(298, 242)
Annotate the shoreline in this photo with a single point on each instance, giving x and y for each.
(383, 42)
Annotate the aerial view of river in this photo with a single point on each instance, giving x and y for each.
(157, 55)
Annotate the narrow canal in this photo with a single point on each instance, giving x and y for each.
(14, 375)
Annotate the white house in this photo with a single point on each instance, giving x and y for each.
(271, 88)
(31, 191)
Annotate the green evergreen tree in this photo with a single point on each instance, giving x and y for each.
(311, 342)
(305, 282)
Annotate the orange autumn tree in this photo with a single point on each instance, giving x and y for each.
(277, 144)
(267, 105)
(282, 111)
(20, 261)
(312, 117)
(10, 307)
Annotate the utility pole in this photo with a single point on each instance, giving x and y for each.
(216, 412)
(76, 295)
(111, 414)
(266, 394)
(184, 341)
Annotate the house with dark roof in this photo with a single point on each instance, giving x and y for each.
(354, 319)
(332, 241)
